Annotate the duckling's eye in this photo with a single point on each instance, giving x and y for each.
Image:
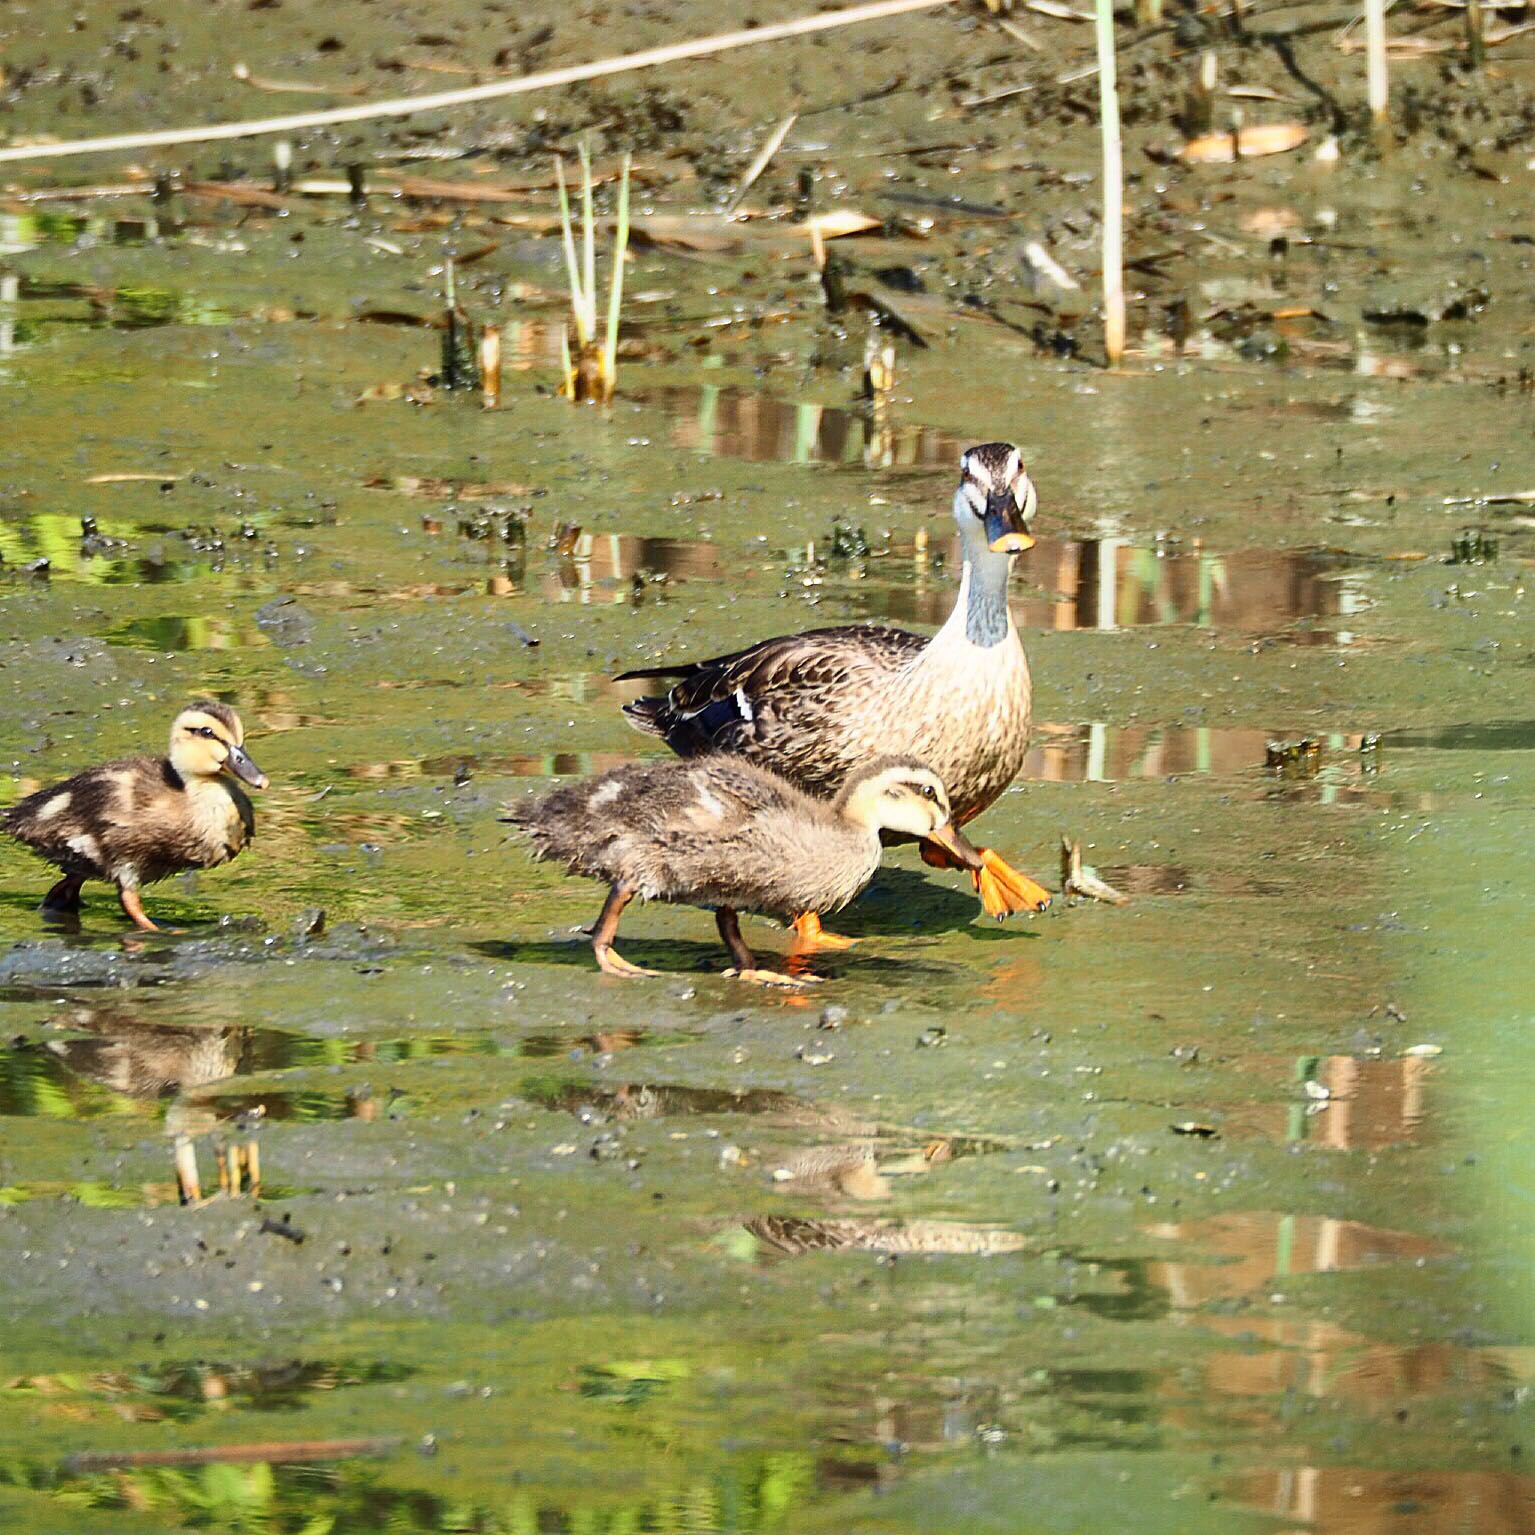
(202, 730)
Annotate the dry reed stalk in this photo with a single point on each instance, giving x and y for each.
(590, 373)
(1379, 83)
(406, 106)
(1113, 189)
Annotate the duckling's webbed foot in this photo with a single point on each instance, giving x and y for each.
(64, 896)
(809, 935)
(134, 908)
(773, 978)
(744, 967)
(609, 960)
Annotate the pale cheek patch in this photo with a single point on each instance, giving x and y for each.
(56, 806)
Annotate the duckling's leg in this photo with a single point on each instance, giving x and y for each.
(134, 907)
(745, 967)
(1003, 890)
(65, 896)
(609, 960)
(809, 935)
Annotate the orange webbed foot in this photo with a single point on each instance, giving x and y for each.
(809, 935)
(1003, 890)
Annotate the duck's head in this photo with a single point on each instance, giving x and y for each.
(206, 740)
(904, 795)
(996, 500)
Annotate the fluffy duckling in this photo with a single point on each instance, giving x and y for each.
(141, 819)
(722, 832)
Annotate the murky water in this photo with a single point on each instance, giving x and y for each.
(1207, 1213)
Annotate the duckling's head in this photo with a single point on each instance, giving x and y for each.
(996, 501)
(206, 740)
(902, 794)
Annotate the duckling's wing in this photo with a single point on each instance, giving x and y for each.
(79, 823)
(782, 702)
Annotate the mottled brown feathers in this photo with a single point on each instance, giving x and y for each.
(715, 831)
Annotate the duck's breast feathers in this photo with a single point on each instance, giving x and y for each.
(728, 702)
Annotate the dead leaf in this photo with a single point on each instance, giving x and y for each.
(1246, 143)
(836, 223)
(1194, 1127)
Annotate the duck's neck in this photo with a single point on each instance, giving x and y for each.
(980, 611)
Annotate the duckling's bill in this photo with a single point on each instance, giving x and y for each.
(949, 838)
(240, 764)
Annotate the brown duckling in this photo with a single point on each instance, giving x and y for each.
(722, 832)
(142, 819)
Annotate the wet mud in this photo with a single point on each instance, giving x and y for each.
(1204, 1213)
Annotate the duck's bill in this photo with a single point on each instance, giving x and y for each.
(949, 839)
(1006, 530)
(241, 766)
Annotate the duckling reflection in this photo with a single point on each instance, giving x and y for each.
(148, 1061)
(790, 1235)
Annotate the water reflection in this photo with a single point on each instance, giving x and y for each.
(1351, 1500)
(1058, 753)
(740, 423)
(753, 1495)
(112, 1061)
(782, 1236)
(1342, 1102)
(183, 632)
(185, 1392)
(21, 232)
(617, 567)
(1250, 1252)
(1108, 583)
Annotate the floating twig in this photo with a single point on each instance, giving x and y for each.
(1080, 879)
(760, 163)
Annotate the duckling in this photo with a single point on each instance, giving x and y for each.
(141, 819)
(813, 705)
(722, 832)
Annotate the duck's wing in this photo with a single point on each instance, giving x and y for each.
(783, 702)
